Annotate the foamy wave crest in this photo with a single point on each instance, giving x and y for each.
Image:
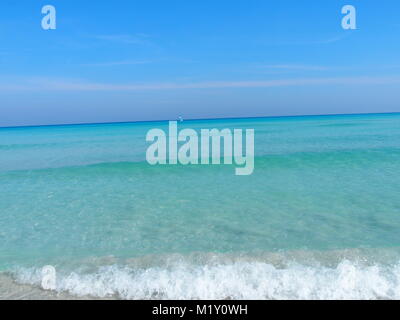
(238, 280)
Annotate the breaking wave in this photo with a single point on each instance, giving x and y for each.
(228, 280)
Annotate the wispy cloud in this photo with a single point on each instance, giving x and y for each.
(291, 67)
(43, 84)
(138, 38)
(327, 40)
(332, 40)
(117, 63)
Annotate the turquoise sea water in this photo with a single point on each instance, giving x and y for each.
(319, 217)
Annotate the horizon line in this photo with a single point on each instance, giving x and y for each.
(197, 119)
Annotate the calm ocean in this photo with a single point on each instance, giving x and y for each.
(318, 219)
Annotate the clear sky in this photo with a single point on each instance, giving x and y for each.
(127, 60)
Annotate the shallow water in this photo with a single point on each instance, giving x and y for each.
(82, 198)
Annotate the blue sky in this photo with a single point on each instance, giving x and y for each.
(147, 60)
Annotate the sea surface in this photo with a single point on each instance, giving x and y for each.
(318, 219)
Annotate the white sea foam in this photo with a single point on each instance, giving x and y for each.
(237, 280)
